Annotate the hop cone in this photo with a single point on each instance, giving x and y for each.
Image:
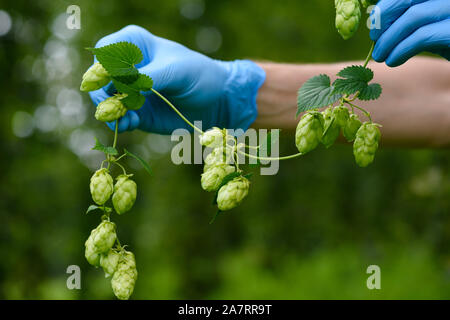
(110, 109)
(125, 191)
(232, 194)
(103, 237)
(348, 15)
(101, 186)
(351, 127)
(212, 178)
(331, 129)
(125, 276)
(341, 116)
(109, 262)
(212, 138)
(309, 131)
(219, 155)
(366, 144)
(95, 78)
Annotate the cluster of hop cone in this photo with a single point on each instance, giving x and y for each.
(219, 164)
(118, 263)
(324, 127)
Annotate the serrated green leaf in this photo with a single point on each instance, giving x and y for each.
(143, 163)
(316, 93)
(119, 59)
(95, 207)
(360, 73)
(106, 150)
(371, 92)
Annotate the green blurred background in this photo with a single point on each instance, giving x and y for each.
(309, 232)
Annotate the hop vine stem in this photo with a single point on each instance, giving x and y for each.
(177, 111)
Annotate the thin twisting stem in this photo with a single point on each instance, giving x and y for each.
(369, 56)
(362, 109)
(177, 111)
(269, 158)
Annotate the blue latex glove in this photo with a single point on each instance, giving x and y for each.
(409, 27)
(218, 93)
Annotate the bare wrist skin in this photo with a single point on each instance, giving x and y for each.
(414, 108)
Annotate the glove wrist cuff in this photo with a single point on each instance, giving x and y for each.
(241, 88)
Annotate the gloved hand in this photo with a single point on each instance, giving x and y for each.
(409, 27)
(216, 92)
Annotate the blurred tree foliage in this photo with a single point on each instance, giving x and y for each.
(309, 232)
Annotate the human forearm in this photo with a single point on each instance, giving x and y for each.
(414, 108)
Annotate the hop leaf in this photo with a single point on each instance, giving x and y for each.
(212, 138)
(110, 109)
(315, 93)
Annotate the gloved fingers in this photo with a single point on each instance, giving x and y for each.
(414, 18)
(98, 96)
(431, 37)
(134, 34)
(386, 12)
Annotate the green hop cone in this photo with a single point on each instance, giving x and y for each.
(125, 276)
(110, 109)
(109, 262)
(124, 196)
(331, 129)
(91, 253)
(341, 116)
(351, 127)
(366, 3)
(218, 156)
(366, 143)
(95, 78)
(231, 194)
(212, 178)
(309, 131)
(348, 15)
(101, 186)
(212, 138)
(103, 237)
